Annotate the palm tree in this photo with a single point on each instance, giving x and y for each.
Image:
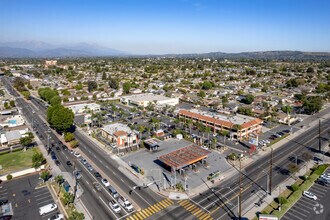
(208, 130)
(59, 179)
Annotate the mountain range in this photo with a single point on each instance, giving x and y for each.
(26, 49)
(40, 49)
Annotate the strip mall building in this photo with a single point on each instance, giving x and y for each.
(240, 126)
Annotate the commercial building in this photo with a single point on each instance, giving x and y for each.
(239, 126)
(84, 108)
(144, 99)
(120, 135)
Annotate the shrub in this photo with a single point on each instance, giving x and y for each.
(294, 187)
(68, 136)
(9, 177)
(281, 200)
(74, 143)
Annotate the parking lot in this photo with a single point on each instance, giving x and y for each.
(25, 198)
(307, 208)
(148, 161)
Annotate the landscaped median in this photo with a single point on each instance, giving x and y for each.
(291, 195)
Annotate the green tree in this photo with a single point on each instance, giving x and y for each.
(26, 94)
(287, 109)
(25, 141)
(113, 83)
(44, 175)
(60, 118)
(206, 85)
(74, 143)
(12, 103)
(127, 87)
(68, 136)
(59, 179)
(92, 85)
(68, 198)
(249, 98)
(6, 105)
(76, 216)
(201, 94)
(56, 100)
(312, 104)
(104, 76)
(66, 92)
(37, 158)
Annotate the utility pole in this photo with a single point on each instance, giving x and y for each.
(270, 171)
(320, 135)
(240, 192)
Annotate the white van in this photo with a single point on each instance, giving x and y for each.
(47, 208)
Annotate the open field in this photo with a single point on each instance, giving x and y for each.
(15, 161)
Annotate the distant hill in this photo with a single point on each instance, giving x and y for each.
(262, 55)
(26, 49)
(39, 49)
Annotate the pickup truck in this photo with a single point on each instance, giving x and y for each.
(125, 203)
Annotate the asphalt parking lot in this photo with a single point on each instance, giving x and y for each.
(25, 198)
(307, 208)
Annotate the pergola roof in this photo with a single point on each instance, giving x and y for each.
(184, 156)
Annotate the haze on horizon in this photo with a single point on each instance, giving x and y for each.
(171, 26)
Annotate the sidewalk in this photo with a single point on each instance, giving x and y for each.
(55, 170)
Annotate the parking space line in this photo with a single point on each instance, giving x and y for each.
(292, 216)
(44, 202)
(318, 190)
(300, 208)
(293, 210)
(308, 202)
(41, 198)
(302, 204)
(41, 194)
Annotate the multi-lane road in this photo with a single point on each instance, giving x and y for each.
(219, 202)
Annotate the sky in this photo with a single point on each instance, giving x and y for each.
(171, 26)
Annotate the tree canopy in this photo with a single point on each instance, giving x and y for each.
(249, 98)
(60, 118)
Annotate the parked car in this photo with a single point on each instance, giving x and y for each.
(78, 174)
(69, 163)
(105, 182)
(114, 206)
(309, 195)
(47, 208)
(57, 216)
(90, 168)
(83, 161)
(58, 148)
(57, 162)
(64, 147)
(76, 154)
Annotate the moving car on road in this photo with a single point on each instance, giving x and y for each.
(114, 206)
(125, 203)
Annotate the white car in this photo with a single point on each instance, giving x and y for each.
(309, 195)
(105, 182)
(125, 203)
(114, 206)
(77, 154)
(57, 217)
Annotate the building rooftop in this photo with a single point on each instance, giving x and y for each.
(146, 97)
(113, 129)
(184, 156)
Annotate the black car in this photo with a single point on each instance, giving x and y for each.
(64, 147)
(3, 201)
(52, 153)
(58, 148)
(97, 175)
(57, 162)
(69, 163)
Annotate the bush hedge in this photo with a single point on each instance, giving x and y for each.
(294, 187)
